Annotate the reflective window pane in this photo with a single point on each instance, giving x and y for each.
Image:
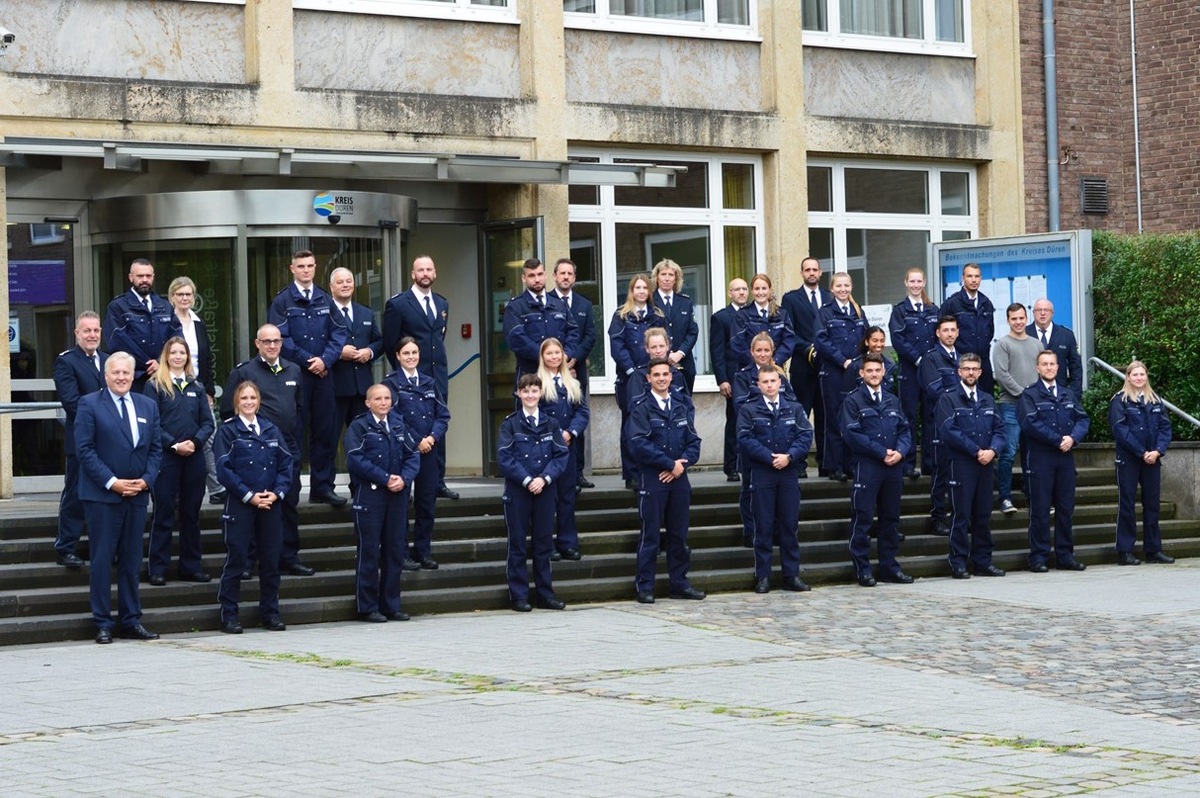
(585, 251)
(737, 186)
(740, 258)
(898, 18)
(956, 193)
(877, 260)
(690, 191)
(956, 235)
(949, 14)
(733, 12)
(887, 191)
(820, 188)
(812, 13)
(659, 9)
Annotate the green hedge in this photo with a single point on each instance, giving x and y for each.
(1146, 300)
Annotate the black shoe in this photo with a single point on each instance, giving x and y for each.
(959, 573)
(568, 554)
(136, 632)
(939, 527)
(795, 584)
(199, 576)
(866, 580)
(631, 484)
(246, 574)
(331, 498)
(901, 537)
(839, 476)
(584, 482)
(555, 556)
(990, 570)
(1127, 558)
(645, 598)
(803, 474)
(1038, 568)
(410, 564)
(762, 585)
(446, 493)
(372, 617)
(158, 580)
(398, 616)
(747, 542)
(896, 578)
(522, 606)
(911, 473)
(297, 568)
(104, 636)
(733, 477)
(70, 560)
(1070, 565)
(274, 625)
(429, 564)
(551, 604)
(231, 627)
(1160, 558)
(218, 497)
(688, 593)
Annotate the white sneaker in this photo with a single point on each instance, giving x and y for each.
(1007, 507)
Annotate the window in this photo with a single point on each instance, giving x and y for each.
(478, 10)
(940, 26)
(711, 224)
(875, 220)
(732, 19)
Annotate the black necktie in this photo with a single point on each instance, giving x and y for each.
(557, 383)
(307, 292)
(124, 415)
(384, 424)
(346, 313)
(179, 383)
(275, 369)
(666, 405)
(874, 397)
(641, 315)
(254, 428)
(918, 307)
(667, 304)
(812, 298)
(1045, 343)
(566, 300)
(413, 380)
(774, 409)
(532, 420)
(763, 313)
(429, 310)
(541, 302)
(149, 305)
(971, 397)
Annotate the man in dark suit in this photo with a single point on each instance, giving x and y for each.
(422, 314)
(680, 312)
(802, 305)
(140, 321)
(119, 449)
(77, 372)
(1061, 341)
(580, 308)
(725, 365)
(352, 373)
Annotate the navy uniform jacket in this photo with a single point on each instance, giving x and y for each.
(581, 311)
(572, 418)
(761, 435)
(745, 386)
(681, 325)
(183, 415)
(968, 428)
(105, 447)
(852, 379)
(353, 379)
(626, 337)
(74, 378)
(527, 324)
(404, 316)
(913, 334)
(1138, 427)
(1070, 364)
(838, 336)
(129, 327)
(869, 430)
(249, 463)
(657, 440)
(804, 324)
(526, 453)
(373, 455)
(280, 392)
(307, 326)
(747, 323)
(421, 406)
(937, 374)
(976, 325)
(1045, 419)
(720, 334)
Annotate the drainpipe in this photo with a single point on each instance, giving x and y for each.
(1137, 135)
(1050, 59)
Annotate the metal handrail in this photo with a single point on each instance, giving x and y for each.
(1116, 372)
(15, 408)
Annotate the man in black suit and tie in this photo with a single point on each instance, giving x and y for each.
(580, 308)
(119, 449)
(1061, 341)
(423, 314)
(725, 365)
(352, 373)
(802, 305)
(680, 311)
(77, 372)
(140, 321)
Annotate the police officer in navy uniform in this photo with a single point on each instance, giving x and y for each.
(626, 344)
(364, 344)
(1052, 423)
(763, 314)
(383, 463)
(139, 322)
(638, 388)
(976, 318)
(532, 455)
(725, 365)
(877, 435)
(913, 328)
(254, 464)
(803, 304)
(937, 375)
(312, 340)
(1142, 433)
(680, 314)
(77, 372)
(840, 329)
(535, 315)
(972, 433)
(580, 308)
(664, 444)
(279, 385)
(774, 435)
(1061, 341)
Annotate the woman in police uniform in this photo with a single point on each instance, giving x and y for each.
(564, 401)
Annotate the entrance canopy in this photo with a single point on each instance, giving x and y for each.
(342, 164)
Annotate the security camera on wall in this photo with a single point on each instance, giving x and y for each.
(7, 37)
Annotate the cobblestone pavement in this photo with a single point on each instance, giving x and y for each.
(1031, 685)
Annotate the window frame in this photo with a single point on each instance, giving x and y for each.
(462, 10)
(927, 45)
(709, 28)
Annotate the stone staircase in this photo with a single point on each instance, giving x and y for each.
(42, 602)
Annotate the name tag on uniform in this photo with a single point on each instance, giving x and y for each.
(681, 422)
(789, 422)
(290, 383)
(322, 311)
(164, 319)
(273, 444)
(191, 393)
(989, 412)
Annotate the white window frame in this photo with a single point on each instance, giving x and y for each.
(709, 28)
(423, 9)
(934, 222)
(928, 45)
(608, 215)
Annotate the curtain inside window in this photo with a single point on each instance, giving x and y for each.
(659, 9)
(949, 20)
(899, 18)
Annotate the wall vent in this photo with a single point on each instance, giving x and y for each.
(1093, 195)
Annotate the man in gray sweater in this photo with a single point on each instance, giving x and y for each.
(1014, 362)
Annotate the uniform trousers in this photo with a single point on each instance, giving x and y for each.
(835, 450)
(70, 510)
(243, 526)
(876, 492)
(775, 499)
(1130, 473)
(1050, 482)
(566, 489)
(664, 509)
(178, 492)
(910, 406)
(529, 516)
(424, 492)
(115, 536)
(380, 519)
(318, 415)
(970, 511)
